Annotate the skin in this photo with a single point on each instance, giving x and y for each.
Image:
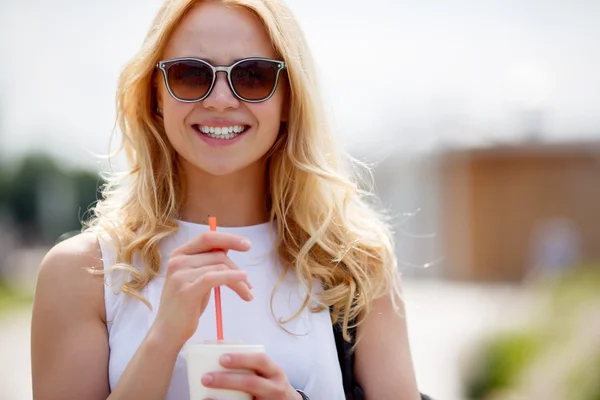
(69, 345)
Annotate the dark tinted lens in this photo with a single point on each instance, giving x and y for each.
(189, 80)
(254, 80)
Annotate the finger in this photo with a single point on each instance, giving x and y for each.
(197, 261)
(252, 384)
(187, 261)
(235, 280)
(243, 288)
(180, 262)
(220, 257)
(190, 276)
(258, 362)
(208, 241)
(240, 286)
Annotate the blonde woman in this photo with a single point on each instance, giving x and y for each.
(220, 116)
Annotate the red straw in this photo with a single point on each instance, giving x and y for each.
(212, 222)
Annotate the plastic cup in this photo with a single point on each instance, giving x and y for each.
(204, 358)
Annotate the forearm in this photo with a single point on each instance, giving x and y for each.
(148, 375)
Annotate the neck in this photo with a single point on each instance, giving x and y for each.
(237, 199)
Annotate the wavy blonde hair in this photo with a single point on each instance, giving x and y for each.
(326, 228)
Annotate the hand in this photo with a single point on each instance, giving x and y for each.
(268, 382)
(192, 272)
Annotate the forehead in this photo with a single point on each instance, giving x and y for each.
(220, 34)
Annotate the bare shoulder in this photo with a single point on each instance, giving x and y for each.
(82, 247)
(64, 275)
(69, 340)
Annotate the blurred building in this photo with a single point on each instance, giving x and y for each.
(499, 213)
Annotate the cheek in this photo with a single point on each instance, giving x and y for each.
(175, 116)
(269, 113)
(176, 112)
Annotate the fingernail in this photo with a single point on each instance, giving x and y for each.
(207, 379)
(245, 243)
(249, 285)
(226, 359)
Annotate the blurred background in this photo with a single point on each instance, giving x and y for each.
(481, 120)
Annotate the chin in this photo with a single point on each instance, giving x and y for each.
(201, 162)
(220, 168)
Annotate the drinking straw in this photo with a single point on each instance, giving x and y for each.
(212, 222)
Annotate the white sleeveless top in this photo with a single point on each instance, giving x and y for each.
(309, 357)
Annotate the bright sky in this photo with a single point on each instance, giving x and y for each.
(429, 73)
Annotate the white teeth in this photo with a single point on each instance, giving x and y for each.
(221, 132)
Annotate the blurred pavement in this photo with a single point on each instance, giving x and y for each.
(15, 376)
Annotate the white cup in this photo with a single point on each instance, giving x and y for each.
(204, 358)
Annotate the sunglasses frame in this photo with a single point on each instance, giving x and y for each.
(166, 64)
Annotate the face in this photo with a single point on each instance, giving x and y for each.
(221, 36)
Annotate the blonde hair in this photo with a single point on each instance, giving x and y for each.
(326, 229)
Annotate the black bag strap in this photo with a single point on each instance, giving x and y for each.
(346, 358)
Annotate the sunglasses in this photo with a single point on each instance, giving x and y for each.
(192, 79)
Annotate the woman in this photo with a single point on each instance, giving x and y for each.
(220, 116)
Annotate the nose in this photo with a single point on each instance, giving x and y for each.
(221, 97)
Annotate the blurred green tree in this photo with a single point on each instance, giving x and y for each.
(32, 171)
(88, 185)
(45, 201)
(4, 187)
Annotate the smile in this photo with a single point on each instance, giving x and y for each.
(221, 132)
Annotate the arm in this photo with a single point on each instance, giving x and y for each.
(383, 363)
(69, 344)
(148, 375)
(69, 340)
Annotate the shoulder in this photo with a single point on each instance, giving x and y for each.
(69, 337)
(65, 276)
(72, 256)
(82, 247)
